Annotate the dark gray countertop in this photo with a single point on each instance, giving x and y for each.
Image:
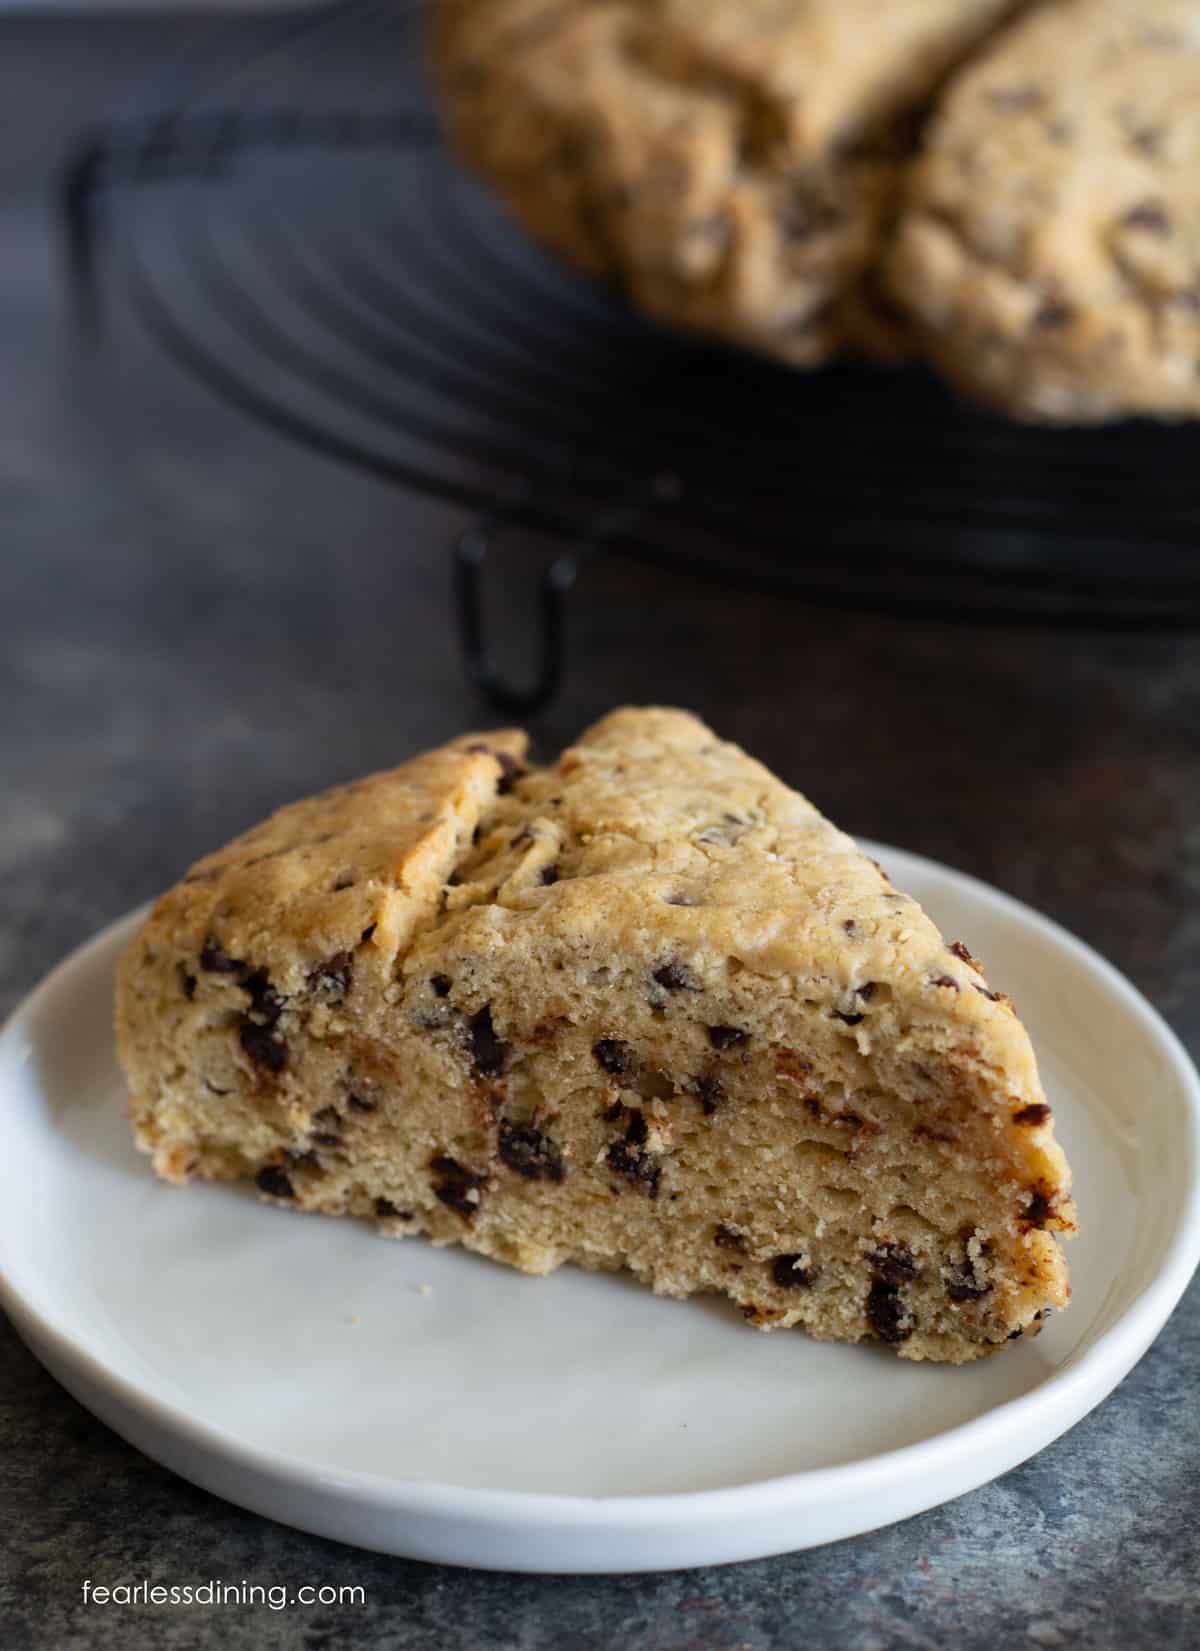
(199, 621)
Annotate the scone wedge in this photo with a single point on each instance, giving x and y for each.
(642, 1008)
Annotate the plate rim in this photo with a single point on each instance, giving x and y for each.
(1072, 1390)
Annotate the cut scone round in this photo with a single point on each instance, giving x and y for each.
(1049, 250)
(642, 1008)
(731, 164)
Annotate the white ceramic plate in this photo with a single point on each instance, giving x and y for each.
(300, 1366)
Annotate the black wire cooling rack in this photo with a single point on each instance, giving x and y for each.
(281, 215)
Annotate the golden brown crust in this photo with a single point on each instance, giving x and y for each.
(313, 877)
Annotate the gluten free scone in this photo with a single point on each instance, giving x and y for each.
(1049, 250)
(732, 164)
(644, 1007)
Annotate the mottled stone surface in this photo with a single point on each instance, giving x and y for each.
(198, 622)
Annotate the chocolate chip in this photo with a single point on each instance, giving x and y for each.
(789, 1274)
(641, 1168)
(265, 1002)
(188, 982)
(510, 769)
(1015, 1335)
(728, 1238)
(529, 1152)
(886, 1313)
(385, 1209)
(454, 1184)
(894, 1264)
(867, 991)
(849, 1020)
(614, 1113)
(1151, 216)
(726, 1037)
(440, 985)
(957, 948)
(273, 1180)
(357, 1104)
(709, 1092)
(487, 1051)
(1038, 1210)
(1053, 313)
(1037, 1113)
(628, 1158)
(1016, 99)
(850, 926)
(614, 1057)
(262, 1046)
(512, 772)
(992, 997)
(572, 149)
(549, 875)
(217, 962)
(333, 977)
(944, 980)
(676, 977)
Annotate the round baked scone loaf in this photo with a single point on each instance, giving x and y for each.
(641, 1008)
(1050, 247)
(731, 163)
